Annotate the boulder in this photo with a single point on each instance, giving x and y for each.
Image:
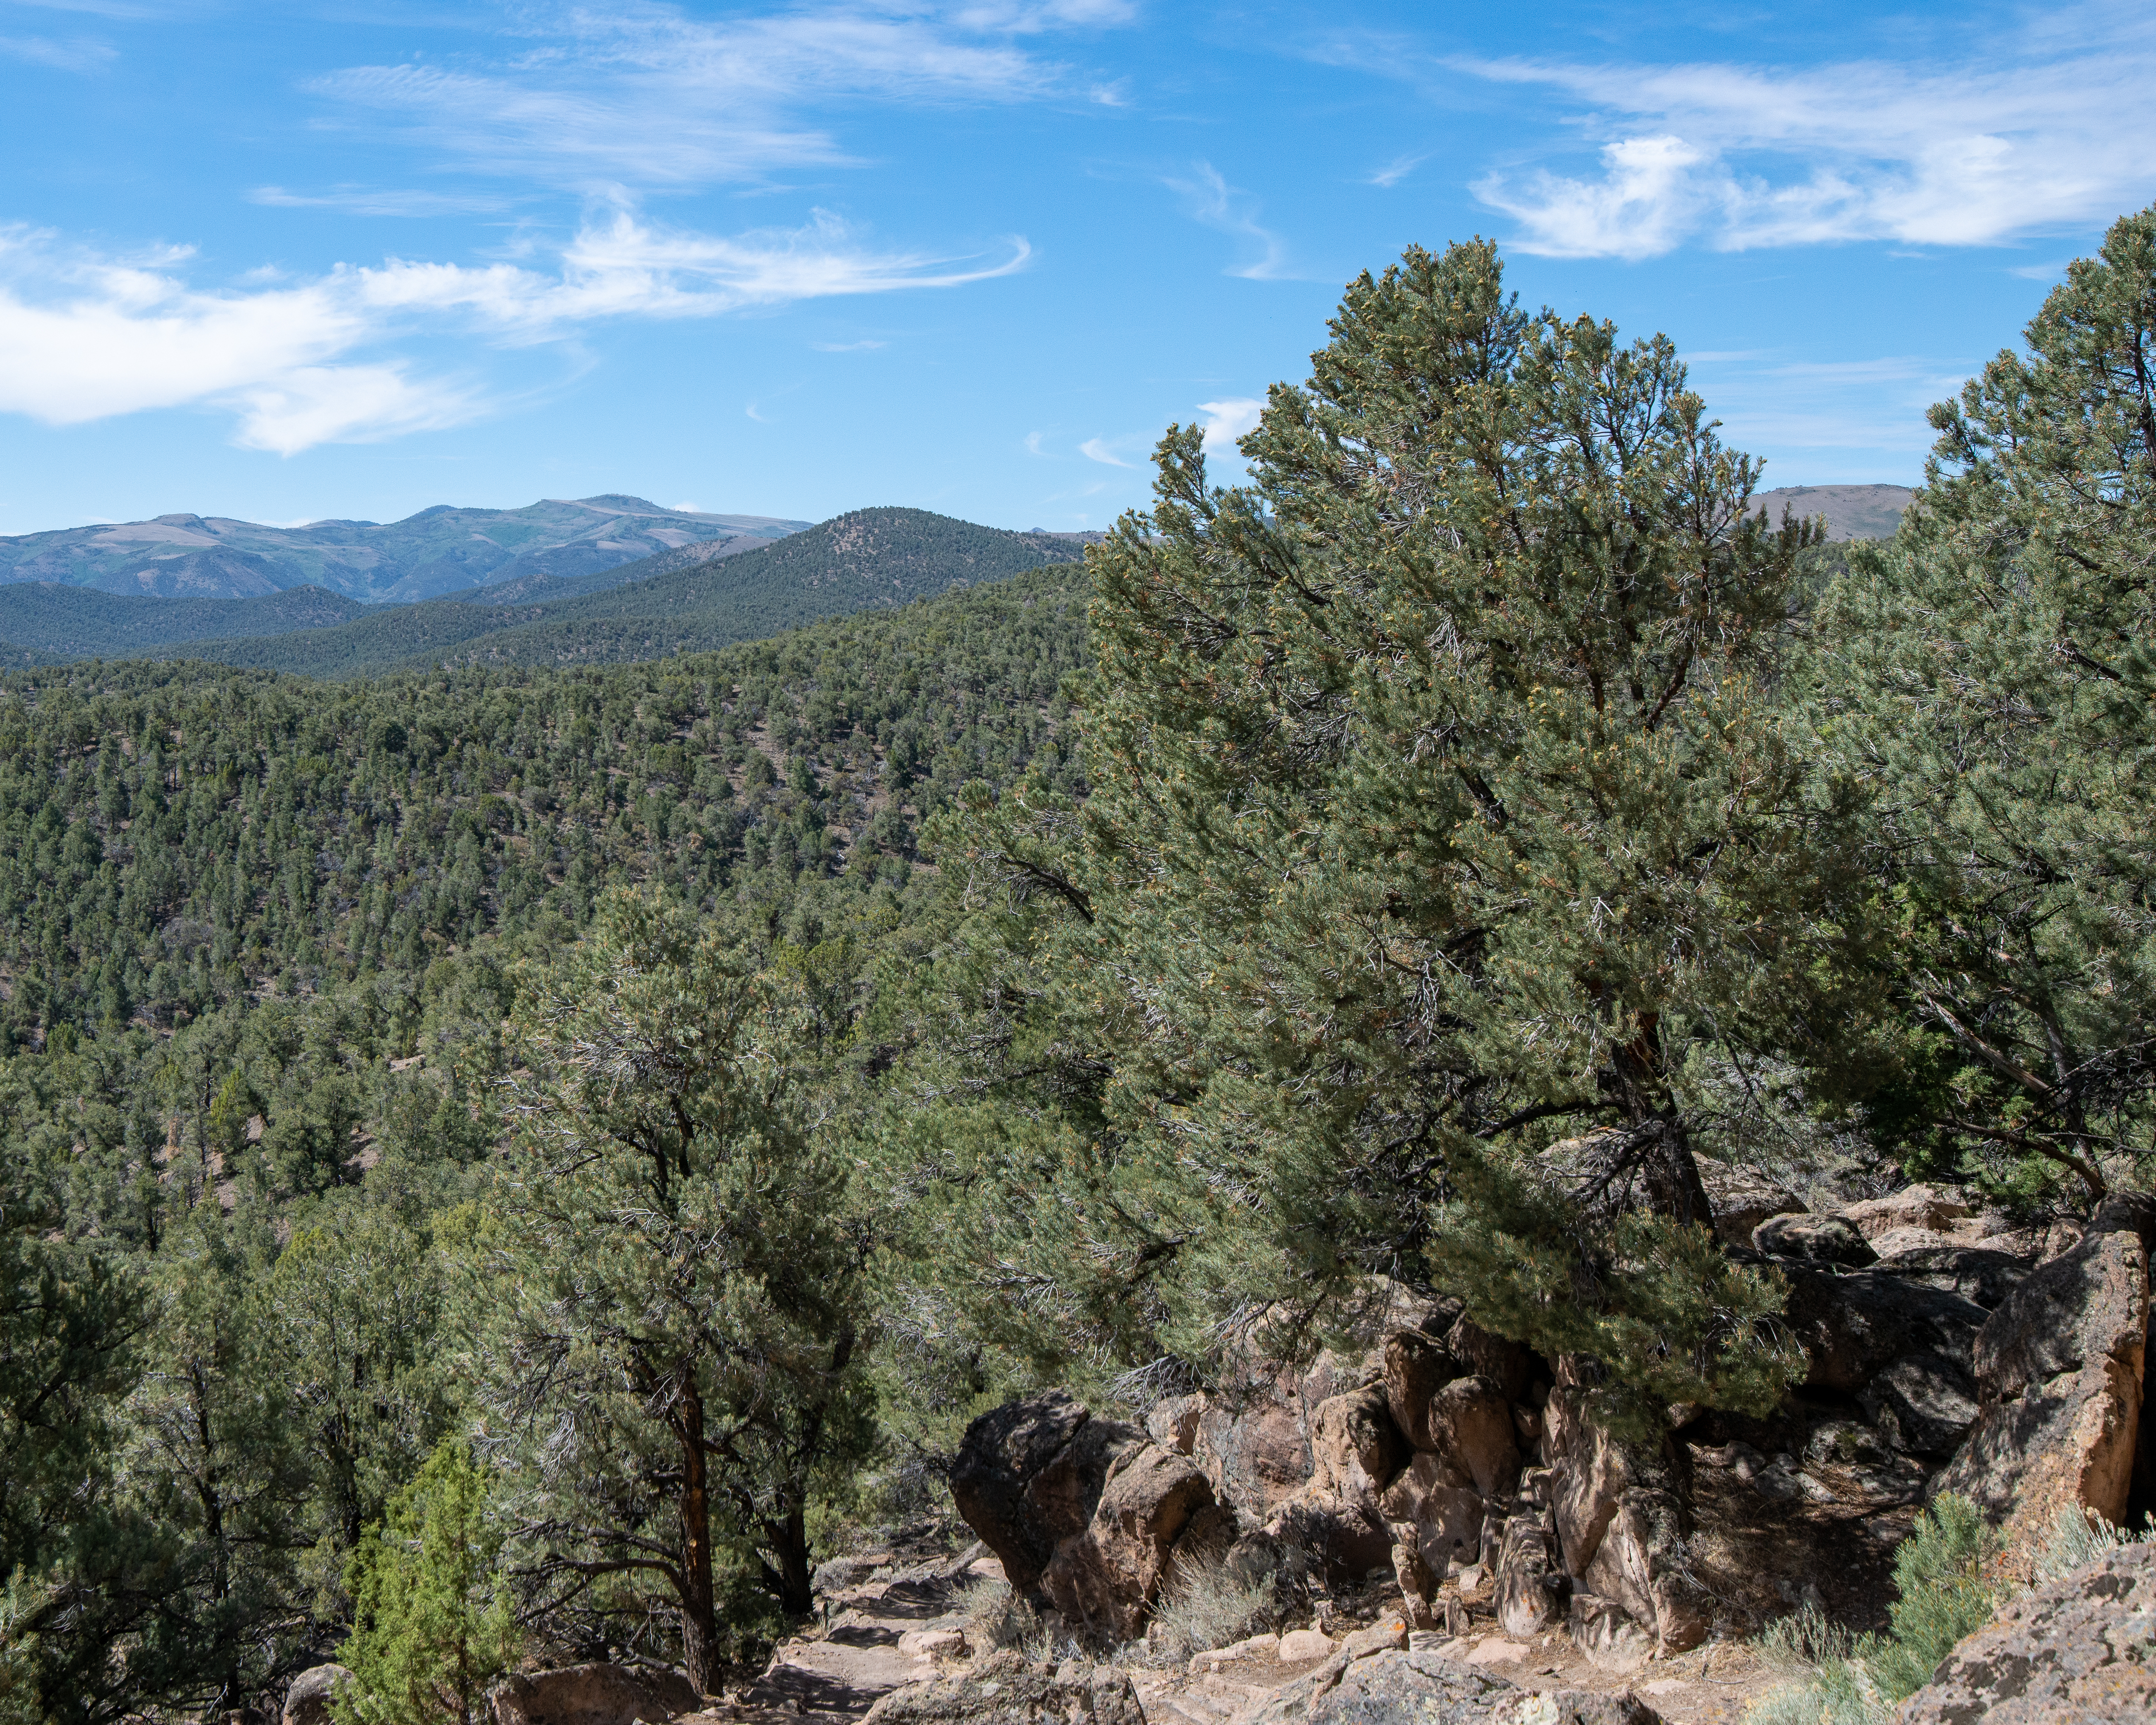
(1154, 1506)
(1029, 1474)
(1298, 1646)
(1253, 1440)
(1622, 1523)
(1345, 1540)
(307, 1700)
(1854, 1326)
(1814, 1239)
(1922, 1404)
(1172, 1423)
(1418, 1582)
(1416, 1368)
(1356, 1451)
(1512, 1366)
(1003, 1690)
(1920, 1206)
(593, 1695)
(2059, 1369)
(1606, 1632)
(1440, 1502)
(1742, 1200)
(1531, 1586)
(1417, 1687)
(1983, 1276)
(2073, 1648)
(1470, 1425)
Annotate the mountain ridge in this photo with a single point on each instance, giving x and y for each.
(442, 549)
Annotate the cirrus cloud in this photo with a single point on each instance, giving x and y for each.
(85, 336)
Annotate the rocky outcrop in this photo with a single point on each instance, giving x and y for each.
(1622, 1522)
(1003, 1690)
(593, 1695)
(1742, 1200)
(1397, 1687)
(2073, 1648)
(1155, 1508)
(1029, 1475)
(2059, 1371)
(1924, 1208)
(1814, 1239)
(307, 1701)
(1356, 1449)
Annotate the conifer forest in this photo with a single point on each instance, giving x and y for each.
(513, 1161)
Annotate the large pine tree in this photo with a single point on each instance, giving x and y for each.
(1442, 805)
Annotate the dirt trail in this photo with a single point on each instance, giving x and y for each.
(891, 1618)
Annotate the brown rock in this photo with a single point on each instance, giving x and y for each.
(1416, 1368)
(1344, 1540)
(1622, 1523)
(1172, 1423)
(2059, 1372)
(1470, 1423)
(1854, 1326)
(2075, 1649)
(307, 1700)
(1418, 1581)
(1003, 1690)
(1356, 1449)
(1252, 1441)
(1512, 1366)
(1816, 1240)
(1443, 1506)
(1029, 1474)
(593, 1695)
(1983, 1276)
(1742, 1200)
(1920, 1207)
(1531, 1589)
(1154, 1506)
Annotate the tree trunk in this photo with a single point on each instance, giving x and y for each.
(700, 1629)
(789, 1545)
(1673, 1186)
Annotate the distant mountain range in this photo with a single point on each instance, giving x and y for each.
(438, 550)
(1852, 511)
(663, 604)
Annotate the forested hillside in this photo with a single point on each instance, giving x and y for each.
(509, 1165)
(57, 622)
(871, 558)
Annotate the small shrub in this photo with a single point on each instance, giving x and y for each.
(993, 1617)
(1941, 1596)
(2076, 1537)
(1211, 1604)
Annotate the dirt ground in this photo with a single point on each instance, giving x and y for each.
(871, 1640)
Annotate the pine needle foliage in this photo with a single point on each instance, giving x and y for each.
(1994, 670)
(434, 1625)
(1441, 800)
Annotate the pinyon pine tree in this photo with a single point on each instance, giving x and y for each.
(1442, 805)
(1994, 670)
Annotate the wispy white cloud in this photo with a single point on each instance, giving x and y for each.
(646, 95)
(1398, 169)
(1875, 405)
(1965, 154)
(2043, 128)
(360, 201)
(1218, 205)
(1226, 421)
(1103, 450)
(847, 347)
(85, 336)
(62, 56)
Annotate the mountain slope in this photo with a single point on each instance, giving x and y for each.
(1852, 511)
(43, 618)
(868, 559)
(438, 550)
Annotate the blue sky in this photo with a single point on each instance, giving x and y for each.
(354, 259)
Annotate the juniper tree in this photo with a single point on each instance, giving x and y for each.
(678, 1267)
(1442, 801)
(1994, 669)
